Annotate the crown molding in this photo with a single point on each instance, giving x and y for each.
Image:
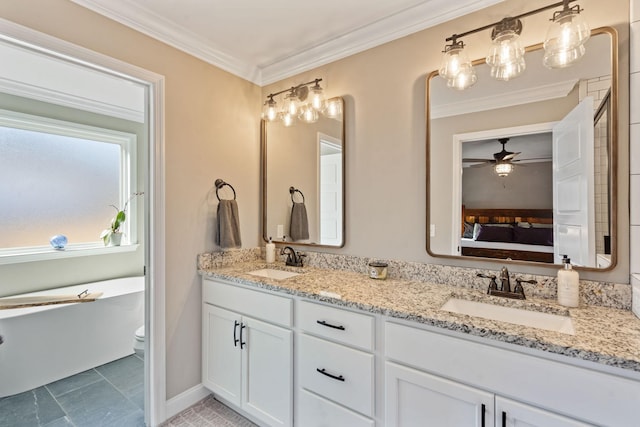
(409, 21)
(509, 99)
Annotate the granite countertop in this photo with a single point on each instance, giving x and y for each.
(603, 335)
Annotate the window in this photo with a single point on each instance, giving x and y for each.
(61, 177)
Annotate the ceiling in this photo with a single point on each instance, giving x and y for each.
(267, 41)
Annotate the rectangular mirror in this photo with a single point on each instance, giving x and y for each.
(525, 170)
(304, 163)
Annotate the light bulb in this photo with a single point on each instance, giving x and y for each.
(506, 55)
(454, 60)
(333, 108)
(269, 110)
(465, 78)
(290, 104)
(565, 39)
(317, 97)
(308, 114)
(288, 119)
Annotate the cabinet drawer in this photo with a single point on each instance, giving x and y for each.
(339, 325)
(314, 411)
(259, 305)
(336, 372)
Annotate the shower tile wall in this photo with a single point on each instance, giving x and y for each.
(634, 142)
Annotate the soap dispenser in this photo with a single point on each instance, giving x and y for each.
(568, 285)
(270, 252)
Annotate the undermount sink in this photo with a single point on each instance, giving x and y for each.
(271, 273)
(517, 316)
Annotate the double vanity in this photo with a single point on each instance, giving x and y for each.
(321, 347)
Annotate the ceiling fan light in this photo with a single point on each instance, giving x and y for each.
(503, 169)
(454, 60)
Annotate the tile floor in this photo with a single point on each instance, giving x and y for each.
(109, 395)
(208, 413)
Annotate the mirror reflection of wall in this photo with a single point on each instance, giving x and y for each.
(466, 125)
(308, 157)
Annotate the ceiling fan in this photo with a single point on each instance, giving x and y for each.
(503, 156)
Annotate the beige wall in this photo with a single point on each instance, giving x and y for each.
(212, 131)
(384, 89)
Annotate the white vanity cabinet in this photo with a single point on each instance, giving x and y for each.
(248, 350)
(433, 376)
(335, 367)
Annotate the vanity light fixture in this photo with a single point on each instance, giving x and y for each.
(300, 102)
(456, 67)
(563, 45)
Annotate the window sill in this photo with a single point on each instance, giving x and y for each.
(48, 253)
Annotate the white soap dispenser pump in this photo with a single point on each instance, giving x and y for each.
(568, 285)
(270, 252)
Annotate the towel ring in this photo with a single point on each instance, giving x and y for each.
(293, 191)
(219, 184)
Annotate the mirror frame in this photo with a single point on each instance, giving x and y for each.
(613, 129)
(263, 173)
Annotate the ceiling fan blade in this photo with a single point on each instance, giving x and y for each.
(510, 156)
(476, 160)
(480, 165)
(532, 158)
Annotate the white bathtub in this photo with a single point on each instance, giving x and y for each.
(48, 343)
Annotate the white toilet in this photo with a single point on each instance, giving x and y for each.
(138, 341)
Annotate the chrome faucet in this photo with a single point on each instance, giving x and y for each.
(504, 289)
(294, 258)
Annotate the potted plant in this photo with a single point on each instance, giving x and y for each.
(112, 236)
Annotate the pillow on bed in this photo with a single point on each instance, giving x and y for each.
(541, 225)
(468, 231)
(495, 233)
(533, 236)
(477, 227)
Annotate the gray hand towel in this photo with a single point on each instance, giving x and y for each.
(228, 225)
(299, 227)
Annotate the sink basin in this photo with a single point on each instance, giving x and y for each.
(533, 319)
(274, 274)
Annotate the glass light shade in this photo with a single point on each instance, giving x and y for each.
(506, 49)
(465, 78)
(506, 72)
(290, 104)
(317, 98)
(563, 58)
(454, 60)
(269, 110)
(565, 39)
(288, 119)
(309, 114)
(503, 169)
(333, 109)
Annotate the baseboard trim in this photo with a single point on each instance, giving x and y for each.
(187, 398)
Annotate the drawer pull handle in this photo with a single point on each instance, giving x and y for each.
(323, 372)
(329, 325)
(235, 331)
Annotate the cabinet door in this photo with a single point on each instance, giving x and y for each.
(415, 398)
(221, 353)
(267, 364)
(510, 413)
